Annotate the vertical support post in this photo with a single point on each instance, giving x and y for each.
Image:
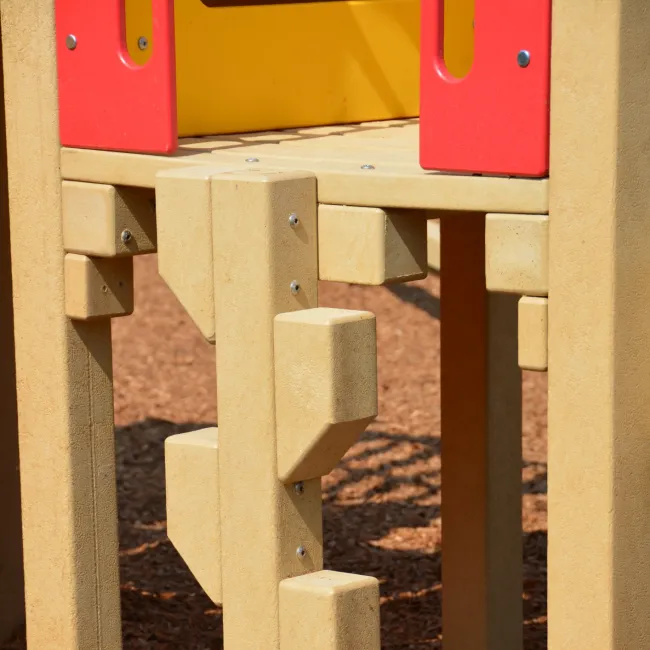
(481, 448)
(257, 256)
(64, 374)
(12, 606)
(599, 327)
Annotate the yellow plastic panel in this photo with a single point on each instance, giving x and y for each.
(459, 36)
(247, 68)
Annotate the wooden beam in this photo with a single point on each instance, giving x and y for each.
(481, 448)
(263, 521)
(12, 606)
(599, 328)
(64, 370)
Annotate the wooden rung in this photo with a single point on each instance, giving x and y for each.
(533, 333)
(516, 253)
(371, 246)
(325, 387)
(107, 221)
(192, 492)
(98, 287)
(328, 610)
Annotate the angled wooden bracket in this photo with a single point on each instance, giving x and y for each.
(192, 493)
(325, 387)
(184, 227)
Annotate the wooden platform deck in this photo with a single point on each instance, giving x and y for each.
(370, 164)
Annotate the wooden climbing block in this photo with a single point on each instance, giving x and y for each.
(325, 387)
(371, 246)
(107, 221)
(97, 287)
(533, 333)
(184, 220)
(516, 253)
(327, 610)
(192, 493)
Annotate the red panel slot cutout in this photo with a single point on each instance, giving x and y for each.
(496, 119)
(106, 101)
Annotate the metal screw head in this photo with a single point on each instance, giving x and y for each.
(252, 160)
(299, 488)
(143, 42)
(523, 58)
(295, 287)
(293, 220)
(126, 236)
(367, 166)
(301, 551)
(71, 42)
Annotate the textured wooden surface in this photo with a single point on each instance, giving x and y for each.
(371, 164)
(599, 357)
(64, 370)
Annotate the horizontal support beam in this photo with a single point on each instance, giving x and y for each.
(107, 221)
(516, 254)
(371, 246)
(97, 287)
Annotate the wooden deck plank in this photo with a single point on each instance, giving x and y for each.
(337, 156)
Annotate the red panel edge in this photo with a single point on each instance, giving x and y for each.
(106, 101)
(495, 121)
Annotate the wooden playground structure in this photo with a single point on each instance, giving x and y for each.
(528, 140)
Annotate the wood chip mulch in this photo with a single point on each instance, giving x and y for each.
(381, 504)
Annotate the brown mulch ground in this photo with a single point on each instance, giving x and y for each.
(381, 504)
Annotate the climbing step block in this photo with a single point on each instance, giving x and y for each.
(533, 333)
(97, 287)
(371, 246)
(516, 253)
(325, 387)
(327, 610)
(192, 487)
(107, 221)
(184, 222)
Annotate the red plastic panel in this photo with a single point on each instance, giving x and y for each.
(496, 119)
(106, 101)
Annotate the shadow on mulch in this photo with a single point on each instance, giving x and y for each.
(163, 606)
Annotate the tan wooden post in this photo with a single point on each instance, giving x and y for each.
(12, 609)
(599, 327)
(257, 256)
(481, 448)
(65, 399)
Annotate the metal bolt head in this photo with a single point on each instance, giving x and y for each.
(143, 42)
(523, 59)
(126, 236)
(252, 160)
(301, 551)
(293, 220)
(367, 166)
(299, 488)
(71, 42)
(295, 287)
